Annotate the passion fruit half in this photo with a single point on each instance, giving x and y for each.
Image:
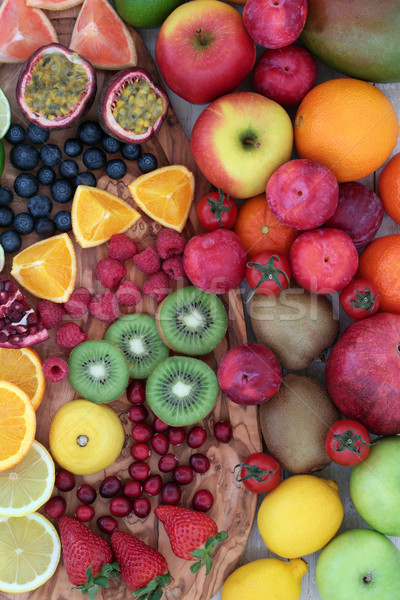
(56, 87)
(131, 107)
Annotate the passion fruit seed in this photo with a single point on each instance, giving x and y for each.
(137, 107)
(56, 85)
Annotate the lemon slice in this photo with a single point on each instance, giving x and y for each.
(27, 485)
(5, 114)
(30, 552)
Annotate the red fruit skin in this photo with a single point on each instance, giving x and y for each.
(110, 272)
(249, 374)
(169, 243)
(77, 304)
(215, 261)
(82, 549)
(121, 247)
(104, 306)
(70, 335)
(275, 23)
(323, 261)
(362, 373)
(139, 563)
(51, 314)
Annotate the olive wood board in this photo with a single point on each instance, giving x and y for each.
(234, 506)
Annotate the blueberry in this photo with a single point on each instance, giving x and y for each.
(15, 134)
(36, 134)
(63, 221)
(26, 185)
(46, 175)
(50, 155)
(62, 191)
(110, 144)
(11, 241)
(116, 168)
(147, 162)
(73, 147)
(94, 158)
(131, 151)
(24, 223)
(45, 227)
(90, 133)
(40, 206)
(6, 195)
(24, 156)
(69, 169)
(85, 178)
(6, 216)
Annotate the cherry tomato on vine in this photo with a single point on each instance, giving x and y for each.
(347, 442)
(359, 299)
(268, 273)
(217, 210)
(260, 472)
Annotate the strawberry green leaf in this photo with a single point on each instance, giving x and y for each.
(154, 589)
(94, 583)
(204, 554)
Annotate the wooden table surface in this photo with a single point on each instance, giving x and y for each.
(188, 113)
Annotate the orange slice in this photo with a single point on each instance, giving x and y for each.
(17, 424)
(47, 269)
(165, 194)
(102, 37)
(23, 367)
(97, 215)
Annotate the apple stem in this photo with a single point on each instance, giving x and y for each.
(367, 578)
(250, 142)
(200, 35)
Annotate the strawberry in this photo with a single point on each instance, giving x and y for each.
(143, 569)
(192, 534)
(87, 557)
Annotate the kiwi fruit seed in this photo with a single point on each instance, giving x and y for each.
(182, 390)
(98, 371)
(137, 336)
(191, 321)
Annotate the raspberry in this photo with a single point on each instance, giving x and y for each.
(110, 272)
(169, 243)
(104, 306)
(129, 293)
(77, 305)
(121, 247)
(70, 335)
(157, 287)
(51, 314)
(147, 261)
(55, 369)
(173, 268)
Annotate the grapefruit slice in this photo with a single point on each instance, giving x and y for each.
(22, 31)
(102, 37)
(53, 4)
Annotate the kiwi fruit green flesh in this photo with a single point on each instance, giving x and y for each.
(182, 390)
(137, 336)
(295, 423)
(191, 321)
(98, 371)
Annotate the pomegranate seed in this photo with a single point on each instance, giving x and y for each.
(55, 507)
(202, 500)
(140, 451)
(132, 489)
(160, 443)
(107, 524)
(176, 436)
(86, 494)
(137, 413)
(183, 475)
(120, 506)
(167, 463)
(170, 493)
(141, 507)
(223, 431)
(142, 432)
(159, 426)
(64, 481)
(136, 392)
(139, 471)
(84, 513)
(196, 437)
(200, 463)
(110, 486)
(152, 485)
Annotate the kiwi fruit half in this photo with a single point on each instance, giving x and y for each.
(182, 390)
(191, 321)
(98, 371)
(137, 336)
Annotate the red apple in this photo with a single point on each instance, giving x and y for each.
(239, 140)
(275, 23)
(363, 376)
(204, 51)
(285, 75)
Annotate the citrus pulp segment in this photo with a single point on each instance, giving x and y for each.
(53, 4)
(23, 367)
(5, 114)
(17, 424)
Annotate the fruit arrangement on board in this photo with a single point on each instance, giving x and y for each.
(140, 427)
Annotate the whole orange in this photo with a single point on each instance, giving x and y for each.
(259, 230)
(389, 187)
(380, 264)
(348, 125)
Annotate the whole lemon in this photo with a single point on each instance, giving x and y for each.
(266, 579)
(85, 437)
(300, 516)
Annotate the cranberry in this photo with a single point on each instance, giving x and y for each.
(55, 507)
(200, 463)
(86, 494)
(132, 489)
(196, 437)
(202, 500)
(152, 485)
(170, 493)
(107, 524)
(183, 475)
(84, 513)
(176, 436)
(139, 471)
(140, 451)
(160, 443)
(136, 393)
(120, 506)
(167, 463)
(141, 507)
(64, 481)
(137, 413)
(142, 432)
(223, 431)
(110, 486)
(159, 426)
